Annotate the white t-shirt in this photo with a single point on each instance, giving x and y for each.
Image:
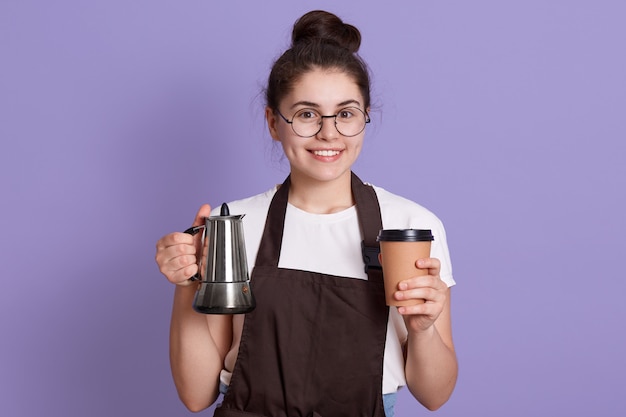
(331, 244)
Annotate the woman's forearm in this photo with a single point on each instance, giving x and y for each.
(198, 345)
(431, 368)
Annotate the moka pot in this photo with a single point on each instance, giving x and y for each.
(224, 286)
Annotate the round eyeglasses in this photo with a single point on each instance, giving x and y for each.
(306, 123)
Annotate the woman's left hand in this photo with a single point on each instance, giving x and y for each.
(430, 288)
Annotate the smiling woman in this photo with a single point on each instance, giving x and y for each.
(316, 149)
(321, 340)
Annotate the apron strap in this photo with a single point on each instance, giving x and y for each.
(370, 221)
(272, 239)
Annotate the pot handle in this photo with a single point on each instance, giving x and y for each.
(193, 231)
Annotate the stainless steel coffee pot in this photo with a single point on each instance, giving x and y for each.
(223, 267)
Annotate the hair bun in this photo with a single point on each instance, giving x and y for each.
(319, 25)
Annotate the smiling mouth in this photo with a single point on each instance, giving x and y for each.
(326, 153)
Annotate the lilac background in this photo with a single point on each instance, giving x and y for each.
(119, 118)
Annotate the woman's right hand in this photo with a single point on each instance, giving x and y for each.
(176, 252)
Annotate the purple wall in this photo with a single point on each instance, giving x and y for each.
(119, 118)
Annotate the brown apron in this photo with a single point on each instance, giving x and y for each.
(314, 344)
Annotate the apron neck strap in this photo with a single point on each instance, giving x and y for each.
(272, 239)
(368, 213)
(370, 221)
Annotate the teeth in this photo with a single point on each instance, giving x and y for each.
(326, 153)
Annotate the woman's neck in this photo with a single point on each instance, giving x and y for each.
(321, 197)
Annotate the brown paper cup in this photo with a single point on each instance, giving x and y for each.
(400, 249)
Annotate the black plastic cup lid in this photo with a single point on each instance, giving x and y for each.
(405, 235)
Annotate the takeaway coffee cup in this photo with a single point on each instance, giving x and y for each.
(399, 250)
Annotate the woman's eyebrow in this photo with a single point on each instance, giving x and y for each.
(304, 103)
(347, 102)
(315, 105)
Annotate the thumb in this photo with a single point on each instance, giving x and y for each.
(204, 211)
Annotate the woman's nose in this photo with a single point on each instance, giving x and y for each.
(328, 130)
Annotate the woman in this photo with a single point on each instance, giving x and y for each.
(321, 340)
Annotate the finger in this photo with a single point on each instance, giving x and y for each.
(179, 262)
(181, 277)
(180, 269)
(422, 281)
(425, 287)
(427, 294)
(172, 246)
(431, 264)
(176, 252)
(173, 239)
(203, 212)
(178, 237)
(423, 309)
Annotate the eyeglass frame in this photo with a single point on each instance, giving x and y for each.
(290, 122)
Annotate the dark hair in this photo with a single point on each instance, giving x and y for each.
(319, 40)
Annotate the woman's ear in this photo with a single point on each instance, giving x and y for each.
(272, 121)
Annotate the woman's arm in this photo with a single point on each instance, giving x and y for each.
(198, 346)
(431, 366)
(198, 342)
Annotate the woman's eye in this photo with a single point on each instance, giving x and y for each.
(307, 115)
(345, 114)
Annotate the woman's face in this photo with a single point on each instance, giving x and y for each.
(328, 155)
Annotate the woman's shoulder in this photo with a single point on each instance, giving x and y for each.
(253, 206)
(398, 212)
(255, 202)
(401, 212)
